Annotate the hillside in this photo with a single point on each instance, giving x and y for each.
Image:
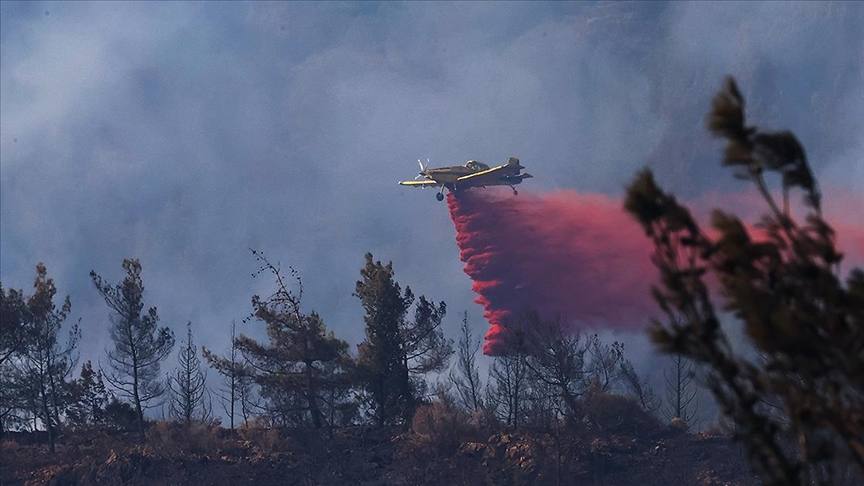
(365, 456)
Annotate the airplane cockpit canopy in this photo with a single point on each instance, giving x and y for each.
(474, 165)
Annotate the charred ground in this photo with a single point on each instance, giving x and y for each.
(442, 448)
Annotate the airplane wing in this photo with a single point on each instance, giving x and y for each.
(480, 178)
(419, 183)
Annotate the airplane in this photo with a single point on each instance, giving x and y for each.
(472, 174)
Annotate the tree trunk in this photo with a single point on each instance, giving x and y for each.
(139, 413)
(310, 397)
(233, 389)
(48, 419)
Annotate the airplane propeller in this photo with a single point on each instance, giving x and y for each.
(422, 169)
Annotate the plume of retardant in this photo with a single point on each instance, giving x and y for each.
(575, 257)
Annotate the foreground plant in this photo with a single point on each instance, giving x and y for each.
(800, 407)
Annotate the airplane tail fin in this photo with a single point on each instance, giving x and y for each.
(513, 163)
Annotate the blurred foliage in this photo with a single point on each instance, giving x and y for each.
(799, 405)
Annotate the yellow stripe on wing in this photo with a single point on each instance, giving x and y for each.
(480, 174)
(419, 183)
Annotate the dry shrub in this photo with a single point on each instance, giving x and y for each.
(679, 425)
(723, 427)
(441, 427)
(9, 445)
(611, 414)
(171, 439)
(265, 440)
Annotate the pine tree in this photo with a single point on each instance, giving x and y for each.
(557, 360)
(397, 352)
(13, 312)
(640, 388)
(507, 391)
(139, 344)
(605, 366)
(12, 395)
(303, 371)
(89, 397)
(381, 360)
(466, 375)
(13, 339)
(44, 362)
(235, 376)
(680, 391)
(550, 372)
(189, 397)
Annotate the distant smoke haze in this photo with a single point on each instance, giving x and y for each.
(184, 133)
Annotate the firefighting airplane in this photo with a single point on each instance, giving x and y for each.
(472, 174)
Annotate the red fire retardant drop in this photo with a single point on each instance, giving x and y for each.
(577, 257)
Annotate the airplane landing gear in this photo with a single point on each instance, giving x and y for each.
(515, 192)
(439, 196)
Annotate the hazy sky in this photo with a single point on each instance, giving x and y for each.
(185, 133)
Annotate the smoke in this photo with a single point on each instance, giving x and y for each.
(575, 257)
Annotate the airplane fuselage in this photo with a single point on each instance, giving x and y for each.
(447, 175)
